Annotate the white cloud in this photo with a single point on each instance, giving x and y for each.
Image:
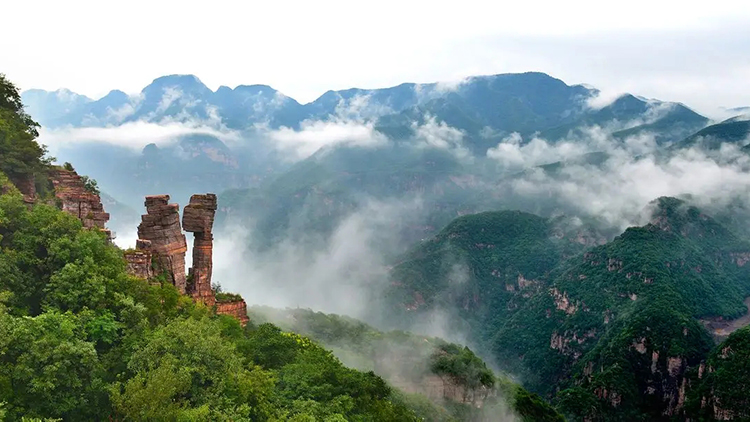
(514, 154)
(603, 98)
(434, 134)
(314, 135)
(617, 190)
(134, 135)
(335, 274)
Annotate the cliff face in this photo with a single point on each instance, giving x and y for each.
(198, 218)
(161, 226)
(75, 199)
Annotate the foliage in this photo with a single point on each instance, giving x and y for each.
(414, 361)
(724, 383)
(20, 155)
(82, 340)
(574, 323)
(90, 185)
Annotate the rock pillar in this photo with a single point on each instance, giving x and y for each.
(139, 260)
(198, 218)
(161, 226)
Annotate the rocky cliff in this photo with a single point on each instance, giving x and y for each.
(74, 198)
(236, 308)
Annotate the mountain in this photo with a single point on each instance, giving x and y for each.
(525, 103)
(611, 332)
(240, 145)
(733, 131)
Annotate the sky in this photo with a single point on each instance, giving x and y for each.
(691, 52)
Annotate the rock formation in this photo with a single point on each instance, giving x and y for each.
(78, 201)
(161, 247)
(139, 260)
(161, 226)
(198, 218)
(237, 309)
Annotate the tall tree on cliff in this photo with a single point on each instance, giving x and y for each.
(20, 154)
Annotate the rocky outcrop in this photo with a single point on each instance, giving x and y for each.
(198, 218)
(161, 248)
(236, 309)
(139, 260)
(161, 226)
(75, 199)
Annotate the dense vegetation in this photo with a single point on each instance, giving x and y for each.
(21, 157)
(415, 363)
(609, 332)
(724, 382)
(83, 340)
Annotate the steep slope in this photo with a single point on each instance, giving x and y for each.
(485, 266)
(720, 388)
(630, 116)
(731, 131)
(611, 332)
(450, 375)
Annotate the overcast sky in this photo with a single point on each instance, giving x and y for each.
(696, 53)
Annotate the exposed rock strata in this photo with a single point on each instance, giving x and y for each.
(198, 218)
(76, 200)
(237, 309)
(161, 226)
(139, 260)
(27, 185)
(161, 247)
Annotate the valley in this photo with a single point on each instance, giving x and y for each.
(497, 250)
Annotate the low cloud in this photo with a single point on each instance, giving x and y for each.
(336, 273)
(619, 185)
(317, 134)
(134, 135)
(439, 135)
(601, 99)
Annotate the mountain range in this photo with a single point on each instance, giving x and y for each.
(525, 103)
(430, 138)
(598, 254)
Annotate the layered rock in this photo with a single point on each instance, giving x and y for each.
(236, 309)
(161, 247)
(198, 218)
(139, 260)
(161, 226)
(78, 201)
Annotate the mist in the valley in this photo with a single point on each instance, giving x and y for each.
(345, 270)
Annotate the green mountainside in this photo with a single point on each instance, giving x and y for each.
(609, 332)
(458, 382)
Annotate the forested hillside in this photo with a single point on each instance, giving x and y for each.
(609, 332)
(458, 382)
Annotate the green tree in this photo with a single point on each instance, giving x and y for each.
(20, 154)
